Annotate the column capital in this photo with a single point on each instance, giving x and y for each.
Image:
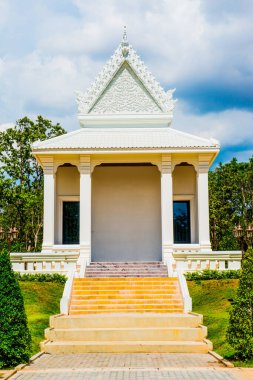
(203, 164)
(203, 167)
(47, 164)
(84, 165)
(166, 164)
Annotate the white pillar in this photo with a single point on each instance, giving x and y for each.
(85, 209)
(167, 209)
(203, 205)
(49, 204)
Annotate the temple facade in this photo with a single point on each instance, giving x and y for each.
(126, 186)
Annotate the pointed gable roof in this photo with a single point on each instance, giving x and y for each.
(125, 87)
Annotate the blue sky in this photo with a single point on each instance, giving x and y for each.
(204, 48)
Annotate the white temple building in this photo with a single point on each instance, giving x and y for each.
(126, 186)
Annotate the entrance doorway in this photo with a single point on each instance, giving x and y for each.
(126, 213)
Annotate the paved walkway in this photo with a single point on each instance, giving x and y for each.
(128, 367)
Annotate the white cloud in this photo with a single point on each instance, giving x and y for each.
(5, 126)
(58, 47)
(232, 127)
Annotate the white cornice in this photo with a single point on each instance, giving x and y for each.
(125, 119)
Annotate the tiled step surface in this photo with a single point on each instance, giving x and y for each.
(126, 334)
(128, 269)
(76, 347)
(106, 295)
(122, 333)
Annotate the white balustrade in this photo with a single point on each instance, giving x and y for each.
(61, 262)
(190, 261)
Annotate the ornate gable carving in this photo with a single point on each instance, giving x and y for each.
(153, 98)
(125, 94)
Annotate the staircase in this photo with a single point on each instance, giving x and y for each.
(124, 295)
(126, 333)
(127, 269)
(126, 308)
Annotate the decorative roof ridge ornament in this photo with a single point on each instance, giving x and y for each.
(125, 44)
(125, 53)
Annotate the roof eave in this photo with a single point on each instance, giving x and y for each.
(47, 151)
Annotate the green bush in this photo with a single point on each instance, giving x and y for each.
(240, 330)
(211, 274)
(15, 339)
(41, 277)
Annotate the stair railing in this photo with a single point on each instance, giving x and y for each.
(66, 296)
(185, 292)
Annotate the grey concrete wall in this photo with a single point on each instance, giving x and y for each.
(126, 214)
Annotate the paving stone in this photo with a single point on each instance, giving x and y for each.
(130, 367)
(126, 367)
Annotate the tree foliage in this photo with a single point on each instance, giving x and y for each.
(15, 339)
(21, 180)
(231, 201)
(240, 330)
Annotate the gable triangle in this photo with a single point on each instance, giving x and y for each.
(125, 94)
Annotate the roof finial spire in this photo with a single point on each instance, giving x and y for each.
(124, 44)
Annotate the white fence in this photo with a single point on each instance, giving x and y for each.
(64, 262)
(188, 261)
(44, 262)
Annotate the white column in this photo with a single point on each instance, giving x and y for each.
(203, 205)
(167, 209)
(49, 204)
(85, 209)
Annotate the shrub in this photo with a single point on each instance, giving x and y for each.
(15, 339)
(41, 277)
(209, 274)
(240, 330)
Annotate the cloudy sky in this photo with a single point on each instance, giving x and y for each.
(204, 48)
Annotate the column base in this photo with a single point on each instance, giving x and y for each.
(205, 247)
(47, 248)
(85, 254)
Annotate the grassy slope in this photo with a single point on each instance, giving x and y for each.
(210, 298)
(41, 301)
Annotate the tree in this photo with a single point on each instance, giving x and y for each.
(231, 201)
(21, 179)
(240, 330)
(15, 339)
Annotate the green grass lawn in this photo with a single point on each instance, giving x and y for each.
(42, 299)
(210, 298)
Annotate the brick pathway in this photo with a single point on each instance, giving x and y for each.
(126, 367)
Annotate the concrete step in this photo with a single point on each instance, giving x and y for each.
(127, 295)
(131, 305)
(127, 262)
(124, 275)
(127, 334)
(75, 347)
(124, 290)
(126, 269)
(169, 289)
(126, 301)
(126, 320)
(119, 310)
(127, 280)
